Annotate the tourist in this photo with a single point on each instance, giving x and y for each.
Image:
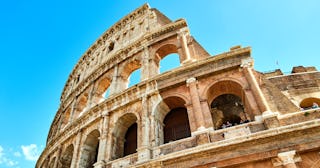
(315, 105)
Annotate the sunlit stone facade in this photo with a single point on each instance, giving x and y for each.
(211, 111)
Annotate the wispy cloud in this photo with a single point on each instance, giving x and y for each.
(6, 161)
(17, 154)
(30, 152)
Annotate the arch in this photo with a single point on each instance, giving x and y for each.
(66, 157)
(127, 70)
(66, 117)
(164, 51)
(310, 102)
(228, 103)
(224, 86)
(81, 104)
(126, 128)
(89, 150)
(101, 90)
(166, 113)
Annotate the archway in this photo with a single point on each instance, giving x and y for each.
(167, 57)
(227, 109)
(130, 74)
(66, 117)
(66, 157)
(171, 120)
(101, 89)
(81, 104)
(125, 136)
(176, 125)
(224, 93)
(89, 152)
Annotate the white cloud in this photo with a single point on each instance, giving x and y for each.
(17, 154)
(30, 152)
(4, 160)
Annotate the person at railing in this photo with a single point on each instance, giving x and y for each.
(315, 105)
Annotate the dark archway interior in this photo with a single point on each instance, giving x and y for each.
(227, 108)
(130, 144)
(176, 125)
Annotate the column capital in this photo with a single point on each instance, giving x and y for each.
(247, 63)
(191, 80)
(287, 157)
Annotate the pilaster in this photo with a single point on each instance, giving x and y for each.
(103, 143)
(76, 153)
(144, 153)
(196, 106)
(270, 118)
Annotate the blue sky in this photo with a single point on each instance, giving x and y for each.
(41, 41)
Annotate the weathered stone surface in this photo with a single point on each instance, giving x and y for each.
(236, 117)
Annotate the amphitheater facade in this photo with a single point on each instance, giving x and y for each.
(211, 111)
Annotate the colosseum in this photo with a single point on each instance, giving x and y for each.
(212, 111)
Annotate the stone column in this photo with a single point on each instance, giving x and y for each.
(288, 159)
(72, 111)
(149, 65)
(56, 163)
(103, 143)
(144, 153)
(184, 45)
(114, 82)
(268, 116)
(76, 153)
(196, 106)
(90, 95)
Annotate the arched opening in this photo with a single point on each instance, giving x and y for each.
(81, 104)
(89, 152)
(102, 90)
(167, 57)
(125, 136)
(310, 103)
(171, 120)
(227, 110)
(66, 117)
(130, 140)
(134, 78)
(176, 125)
(169, 62)
(228, 104)
(130, 74)
(66, 157)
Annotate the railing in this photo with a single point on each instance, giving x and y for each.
(124, 162)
